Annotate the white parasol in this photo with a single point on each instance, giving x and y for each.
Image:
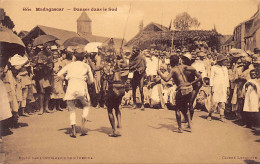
(92, 47)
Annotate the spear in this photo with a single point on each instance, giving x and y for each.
(125, 28)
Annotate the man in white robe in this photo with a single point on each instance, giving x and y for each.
(219, 82)
(78, 75)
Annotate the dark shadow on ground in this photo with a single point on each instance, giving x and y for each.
(6, 132)
(69, 130)
(257, 140)
(251, 162)
(105, 130)
(230, 115)
(256, 132)
(164, 126)
(205, 117)
(239, 122)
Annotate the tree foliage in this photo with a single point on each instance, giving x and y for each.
(184, 22)
(7, 22)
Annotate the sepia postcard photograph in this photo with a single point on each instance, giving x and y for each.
(124, 81)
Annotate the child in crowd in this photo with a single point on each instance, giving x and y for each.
(251, 104)
(57, 82)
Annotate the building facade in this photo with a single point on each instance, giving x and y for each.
(247, 34)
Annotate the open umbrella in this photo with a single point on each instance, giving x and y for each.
(92, 47)
(10, 44)
(238, 52)
(75, 41)
(44, 39)
(7, 36)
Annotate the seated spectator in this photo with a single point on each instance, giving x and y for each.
(127, 99)
(157, 100)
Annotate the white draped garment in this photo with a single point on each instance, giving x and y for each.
(219, 81)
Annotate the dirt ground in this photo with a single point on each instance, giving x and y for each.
(147, 137)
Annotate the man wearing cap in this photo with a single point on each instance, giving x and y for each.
(78, 75)
(179, 74)
(219, 82)
(137, 64)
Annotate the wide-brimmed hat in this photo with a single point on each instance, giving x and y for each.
(221, 57)
(238, 53)
(54, 48)
(188, 55)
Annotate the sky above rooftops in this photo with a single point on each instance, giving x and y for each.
(225, 14)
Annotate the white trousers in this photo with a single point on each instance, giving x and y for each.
(218, 106)
(72, 110)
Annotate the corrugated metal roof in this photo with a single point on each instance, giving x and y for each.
(63, 35)
(59, 33)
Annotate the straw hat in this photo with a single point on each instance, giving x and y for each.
(188, 55)
(54, 47)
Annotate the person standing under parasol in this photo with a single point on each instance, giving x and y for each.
(42, 70)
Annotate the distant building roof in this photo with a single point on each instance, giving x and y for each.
(225, 38)
(84, 17)
(229, 41)
(155, 27)
(154, 32)
(63, 35)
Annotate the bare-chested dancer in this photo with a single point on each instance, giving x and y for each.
(186, 59)
(179, 74)
(112, 88)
